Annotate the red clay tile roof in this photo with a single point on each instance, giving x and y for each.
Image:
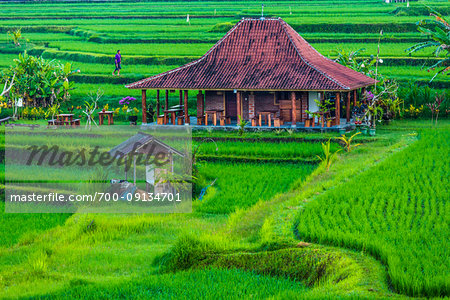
(259, 54)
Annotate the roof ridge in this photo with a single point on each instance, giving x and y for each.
(191, 63)
(283, 25)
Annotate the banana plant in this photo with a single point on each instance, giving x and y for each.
(328, 157)
(438, 32)
(346, 142)
(16, 36)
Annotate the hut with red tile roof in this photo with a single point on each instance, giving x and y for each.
(260, 67)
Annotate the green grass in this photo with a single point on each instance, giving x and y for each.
(21, 227)
(265, 150)
(212, 283)
(242, 185)
(396, 212)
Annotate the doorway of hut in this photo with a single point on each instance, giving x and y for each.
(231, 105)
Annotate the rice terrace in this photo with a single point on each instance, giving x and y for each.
(224, 149)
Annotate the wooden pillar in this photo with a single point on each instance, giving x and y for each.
(355, 97)
(144, 107)
(338, 108)
(157, 103)
(186, 115)
(200, 105)
(166, 103)
(294, 110)
(348, 107)
(181, 97)
(238, 103)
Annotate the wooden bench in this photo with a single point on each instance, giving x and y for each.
(75, 123)
(31, 126)
(54, 122)
(5, 120)
(225, 120)
(180, 120)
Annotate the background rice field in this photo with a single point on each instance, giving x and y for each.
(155, 37)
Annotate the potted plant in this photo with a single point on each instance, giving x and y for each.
(364, 130)
(132, 115)
(372, 131)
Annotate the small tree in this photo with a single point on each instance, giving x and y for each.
(90, 107)
(328, 157)
(347, 142)
(37, 81)
(16, 36)
(434, 107)
(242, 123)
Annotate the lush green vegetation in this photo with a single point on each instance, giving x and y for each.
(155, 37)
(275, 223)
(242, 185)
(397, 212)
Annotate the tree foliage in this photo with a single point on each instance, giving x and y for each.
(438, 33)
(38, 81)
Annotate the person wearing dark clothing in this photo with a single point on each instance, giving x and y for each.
(117, 61)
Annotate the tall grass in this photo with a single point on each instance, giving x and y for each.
(243, 185)
(397, 212)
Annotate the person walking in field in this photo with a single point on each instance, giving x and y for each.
(117, 61)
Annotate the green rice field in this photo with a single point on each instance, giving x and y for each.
(269, 220)
(156, 37)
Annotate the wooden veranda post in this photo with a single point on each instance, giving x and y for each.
(181, 97)
(157, 104)
(294, 110)
(186, 115)
(347, 107)
(338, 108)
(166, 103)
(238, 103)
(144, 107)
(355, 97)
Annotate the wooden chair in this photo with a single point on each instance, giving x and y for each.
(310, 122)
(255, 121)
(201, 120)
(160, 120)
(224, 120)
(278, 120)
(331, 121)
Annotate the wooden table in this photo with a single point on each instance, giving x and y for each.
(65, 118)
(214, 113)
(267, 117)
(173, 114)
(178, 107)
(109, 114)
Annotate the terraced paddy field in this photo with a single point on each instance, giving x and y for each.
(274, 222)
(155, 36)
(270, 200)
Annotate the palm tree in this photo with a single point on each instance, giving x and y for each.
(439, 38)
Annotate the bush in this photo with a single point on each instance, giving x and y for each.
(222, 27)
